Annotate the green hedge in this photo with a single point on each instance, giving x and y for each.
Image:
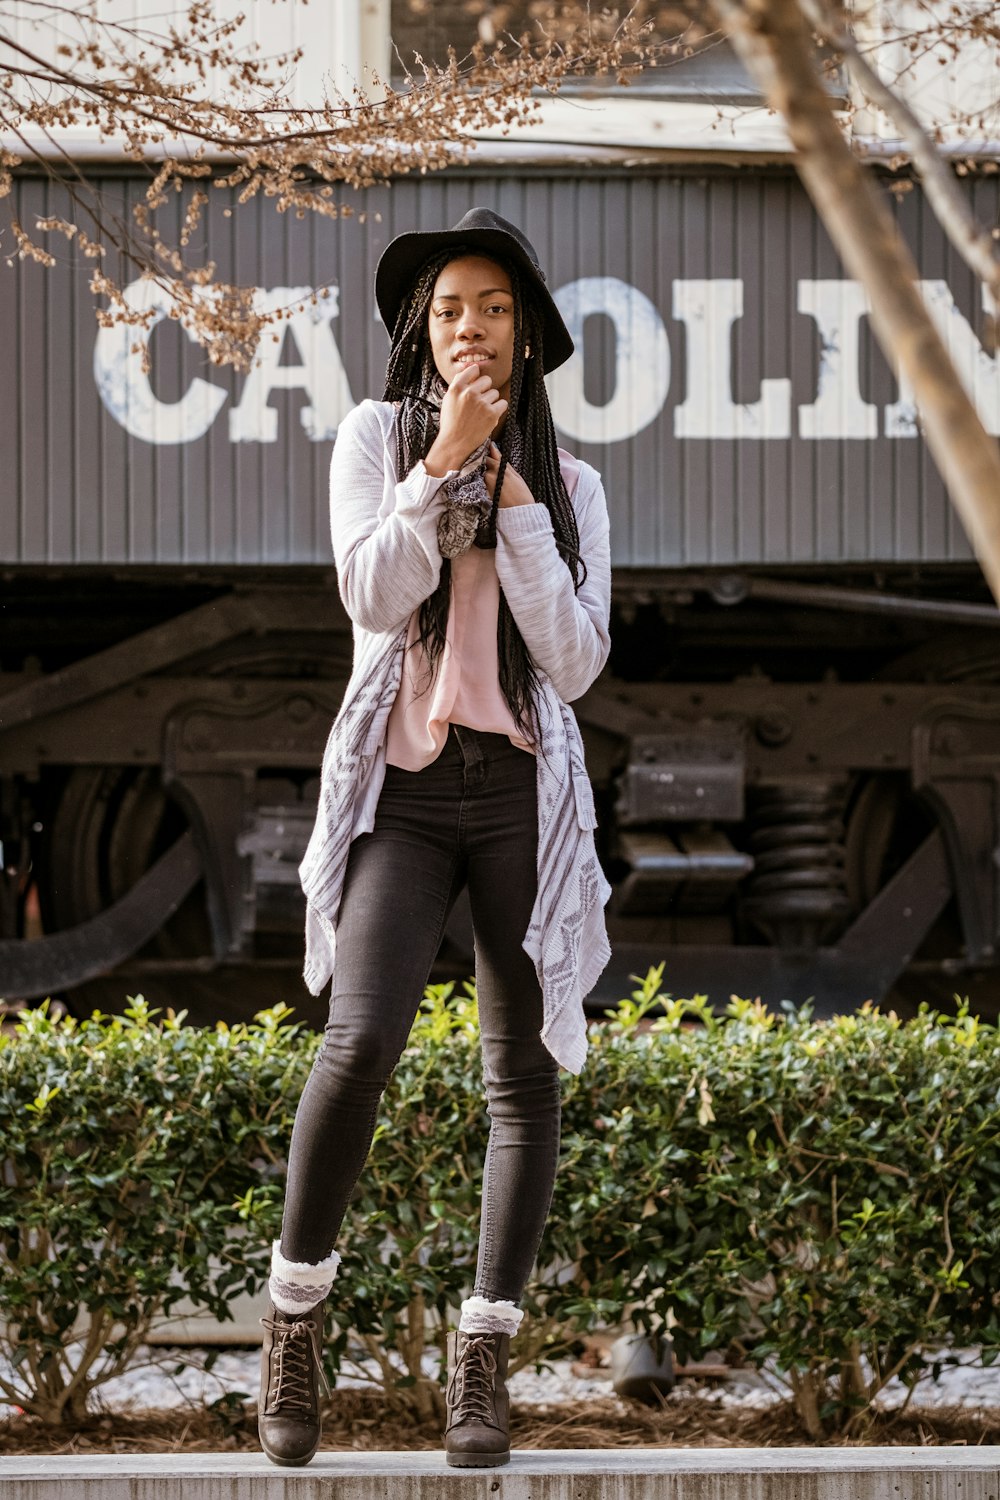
(826, 1193)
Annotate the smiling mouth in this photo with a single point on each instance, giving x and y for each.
(472, 359)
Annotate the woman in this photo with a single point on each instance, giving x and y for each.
(479, 591)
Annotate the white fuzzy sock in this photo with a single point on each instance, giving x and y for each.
(295, 1285)
(479, 1315)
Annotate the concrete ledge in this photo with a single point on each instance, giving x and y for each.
(564, 1474)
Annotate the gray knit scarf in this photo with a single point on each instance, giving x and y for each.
(469, 515)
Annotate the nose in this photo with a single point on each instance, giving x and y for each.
(469, 324)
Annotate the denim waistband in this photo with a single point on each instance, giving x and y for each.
(475, 745)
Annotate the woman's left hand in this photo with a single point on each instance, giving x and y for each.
(514, 491)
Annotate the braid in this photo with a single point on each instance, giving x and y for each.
(410, 371)
(410, 376)
(409, 380)
(541, 455)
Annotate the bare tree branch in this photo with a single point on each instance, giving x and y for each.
(774, 41)
(148, 92)
(973, 242)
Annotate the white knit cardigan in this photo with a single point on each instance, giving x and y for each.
(386, 552)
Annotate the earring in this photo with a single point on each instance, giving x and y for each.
(527, 351)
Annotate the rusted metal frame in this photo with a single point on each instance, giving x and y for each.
(944, 737)
(793, 729)
(735, 588)
(249, 723)
(966, 810)
(126, 726)
(32, 970)
(259, 612)
(883, 939)
(217, 806)
(867, 602)
(212, 748)
(13, 855)
(862, 965)
(956, 769)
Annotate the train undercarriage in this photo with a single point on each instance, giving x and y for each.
(797, 779)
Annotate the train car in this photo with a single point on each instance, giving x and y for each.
(795, 746)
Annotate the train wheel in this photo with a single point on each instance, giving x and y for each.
(963, 656)
(111, 823)
(873, 822)
(886, 822)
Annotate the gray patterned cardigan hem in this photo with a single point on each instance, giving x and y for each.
(384, 536)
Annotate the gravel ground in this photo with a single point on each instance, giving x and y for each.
(162, 1383)
(239, 1370)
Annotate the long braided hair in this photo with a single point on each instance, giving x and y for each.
(528, 433)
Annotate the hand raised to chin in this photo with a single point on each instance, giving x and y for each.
(514, 491)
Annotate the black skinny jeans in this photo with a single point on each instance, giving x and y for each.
(468, 816)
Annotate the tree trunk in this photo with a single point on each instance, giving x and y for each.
(806, 1388)
(852, 1378)
(423, 1397)
(775, 44)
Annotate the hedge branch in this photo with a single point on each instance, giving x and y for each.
(807, 1402)
(389, 1371)
(79, 1381)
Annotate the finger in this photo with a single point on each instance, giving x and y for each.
(467, 376)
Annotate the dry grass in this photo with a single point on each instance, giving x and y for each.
(360, 1420)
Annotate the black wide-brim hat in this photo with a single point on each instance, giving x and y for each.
(479, 231)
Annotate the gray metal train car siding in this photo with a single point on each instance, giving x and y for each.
(773, 434)
(796, 745)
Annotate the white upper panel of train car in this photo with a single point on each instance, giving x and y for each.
(690, 105)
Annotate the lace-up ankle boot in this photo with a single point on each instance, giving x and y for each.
(291, 1377)
(477, 1432)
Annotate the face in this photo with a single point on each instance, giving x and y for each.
(472, 318)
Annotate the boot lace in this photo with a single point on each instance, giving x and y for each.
(293, 1358)
(471, 1391)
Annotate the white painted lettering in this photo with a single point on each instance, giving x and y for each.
(321, 372)
(709, 309)
(978, 371)
(642, 362)
(125, 389)
(838, 411)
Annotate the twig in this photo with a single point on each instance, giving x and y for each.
(973, 242)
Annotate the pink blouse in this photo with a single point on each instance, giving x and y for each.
(466, 687)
